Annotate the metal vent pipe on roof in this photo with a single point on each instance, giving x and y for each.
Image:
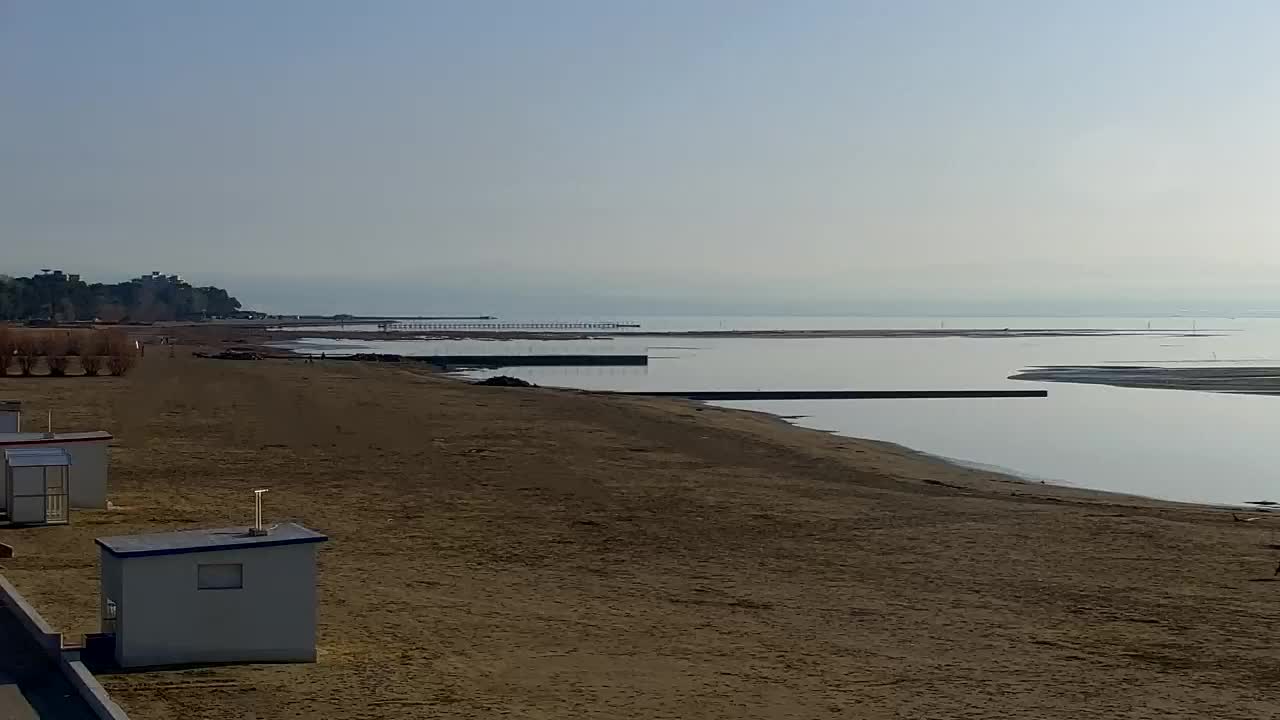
(257, 512)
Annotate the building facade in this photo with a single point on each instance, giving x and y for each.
(210, 596)
(88, 460)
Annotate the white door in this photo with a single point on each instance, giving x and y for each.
(55, 495)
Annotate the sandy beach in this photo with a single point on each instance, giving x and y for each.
(546, 554)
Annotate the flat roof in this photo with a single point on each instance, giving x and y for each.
(35, 438)
(37, 457)
(209, 540)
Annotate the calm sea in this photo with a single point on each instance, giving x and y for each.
(1179, 445)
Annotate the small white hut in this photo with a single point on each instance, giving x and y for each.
(37, 485)
(88, 452)
(10, 416)
(211, 596)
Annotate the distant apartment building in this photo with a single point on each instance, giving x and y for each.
(158, 278)
(58, 275)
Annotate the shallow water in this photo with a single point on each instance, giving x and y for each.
(1180, 445)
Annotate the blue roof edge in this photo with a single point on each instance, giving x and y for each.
(265, 542)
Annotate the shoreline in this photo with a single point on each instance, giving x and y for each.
(996, 473)
(278, 350)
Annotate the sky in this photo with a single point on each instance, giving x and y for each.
(657, 156)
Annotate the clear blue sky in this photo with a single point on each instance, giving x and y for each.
(815, 155)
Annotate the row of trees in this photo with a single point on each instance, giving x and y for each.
(60, 297)
(96, 350)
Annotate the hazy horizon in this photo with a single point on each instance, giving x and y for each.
(693, 157)
(518, 298)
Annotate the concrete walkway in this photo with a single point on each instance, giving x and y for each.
(13, 704)
(31, 687)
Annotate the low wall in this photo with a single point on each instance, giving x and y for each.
(86, 685)
(91, 690)
(35, 625)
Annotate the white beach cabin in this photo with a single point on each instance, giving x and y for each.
(211, 596)
(10, 416)
(37, 485)
(88, 452)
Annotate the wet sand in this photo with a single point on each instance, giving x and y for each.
(546, 553)
(1223, 379)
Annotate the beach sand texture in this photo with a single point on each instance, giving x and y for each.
(549, 554)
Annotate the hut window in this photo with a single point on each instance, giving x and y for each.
(221, 576)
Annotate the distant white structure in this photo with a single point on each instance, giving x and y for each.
(158, 278)
(36, 486)
(88, 459)
(211, 596)
(10, 416)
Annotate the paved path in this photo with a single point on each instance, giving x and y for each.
(31, 688)
(13, 705)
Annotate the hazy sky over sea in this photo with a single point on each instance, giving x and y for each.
(487, 155)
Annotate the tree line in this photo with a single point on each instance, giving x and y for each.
(59, 297)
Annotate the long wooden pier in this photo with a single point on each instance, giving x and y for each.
(720, 395)
(499, 326)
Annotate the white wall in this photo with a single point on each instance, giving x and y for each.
(163, 619)
(88, 473)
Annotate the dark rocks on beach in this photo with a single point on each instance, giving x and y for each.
(230, 355)
(376, 357)
(504, 381)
